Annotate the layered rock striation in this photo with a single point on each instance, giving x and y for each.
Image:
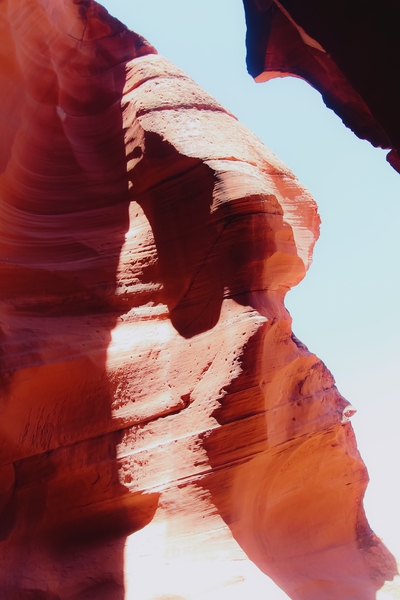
(158, 416)
(348, 51)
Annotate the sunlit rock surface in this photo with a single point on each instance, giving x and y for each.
(163, 432)
(349, 51)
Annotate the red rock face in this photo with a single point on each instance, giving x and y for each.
(348, 52)
(156, 409)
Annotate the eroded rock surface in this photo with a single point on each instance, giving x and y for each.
(162, 429)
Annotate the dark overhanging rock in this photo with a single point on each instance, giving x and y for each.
(348, 50)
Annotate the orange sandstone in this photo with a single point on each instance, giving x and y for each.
(158, 416)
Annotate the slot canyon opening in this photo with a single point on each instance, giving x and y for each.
(359, 259)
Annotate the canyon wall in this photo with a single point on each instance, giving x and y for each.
(163, 432)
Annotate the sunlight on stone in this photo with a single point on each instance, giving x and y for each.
(152, 572)
(390, 591)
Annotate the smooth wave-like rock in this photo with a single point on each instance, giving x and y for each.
(162, 429)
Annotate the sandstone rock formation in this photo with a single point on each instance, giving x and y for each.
(349, 51)
(158, 416)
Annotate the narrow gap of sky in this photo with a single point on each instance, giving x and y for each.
(346, 310)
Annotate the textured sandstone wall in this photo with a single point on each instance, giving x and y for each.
(157, 414)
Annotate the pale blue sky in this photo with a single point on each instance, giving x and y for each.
(346, 310)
